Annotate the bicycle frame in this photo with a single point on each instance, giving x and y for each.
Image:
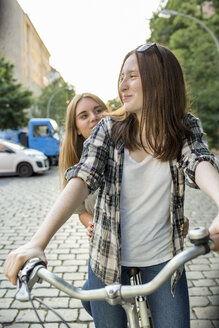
(122, 294)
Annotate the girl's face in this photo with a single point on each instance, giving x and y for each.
(88, 114)
(130, 86)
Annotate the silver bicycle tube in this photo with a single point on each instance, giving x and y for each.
(124, 291)
(135, 279)
(165, 273)
(131, 313)
(87, 295)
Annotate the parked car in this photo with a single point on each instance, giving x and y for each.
(43, 135)
(17, 159)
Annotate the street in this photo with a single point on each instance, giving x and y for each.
(24, 202)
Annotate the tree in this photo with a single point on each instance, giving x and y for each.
(197, 53)
(14, 99)
(58, 105)
(114, 104)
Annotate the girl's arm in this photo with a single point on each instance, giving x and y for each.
(207, 178)
(71, 197)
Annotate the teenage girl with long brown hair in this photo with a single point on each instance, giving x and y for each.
(140, 163)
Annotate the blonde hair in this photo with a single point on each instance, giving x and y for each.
(72, 144)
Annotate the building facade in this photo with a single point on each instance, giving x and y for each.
(22, 46)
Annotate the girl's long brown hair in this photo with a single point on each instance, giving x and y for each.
(164, 106)
(72, 144)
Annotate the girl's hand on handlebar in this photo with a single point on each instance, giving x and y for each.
(214, 230)
(17, 258)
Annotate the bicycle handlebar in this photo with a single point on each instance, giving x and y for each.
(115, 292)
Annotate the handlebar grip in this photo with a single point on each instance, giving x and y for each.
(199, 236)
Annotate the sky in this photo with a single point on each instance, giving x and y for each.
(88, 39)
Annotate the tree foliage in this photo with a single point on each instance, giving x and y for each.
(198, 55)
(55, 98)
(14, 99)
(114, 104)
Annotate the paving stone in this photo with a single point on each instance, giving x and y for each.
(5, 302)
(73, 276)
(3, 292)
(67, 257)
(210, 312)
(211, 274)
(82, 256)
(199, 267)
(84, 316)
(19, 325)
(11, 293)
(7, 315)
(65, 269)
(23, 305)
(215, 266)
(214, 300)
(75, 262)
(91, 325)
(201, 324)
(79, 283)
(43, 284)
(192, 275)
(28, 315)
(7, 284)
(216, 323)
(51, 256)
(214, 258)
(47, 325)
(57, 302)
(214, 290)
(82, 268)
(54, 263)
(73, 325)
(192, 315)
(204, 283)
(198, 301)
(74, 303)
(196, 291)
(68, 315)
(45, 292)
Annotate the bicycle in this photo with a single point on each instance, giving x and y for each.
(131, 296)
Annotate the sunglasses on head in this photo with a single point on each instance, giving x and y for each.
(145, 47)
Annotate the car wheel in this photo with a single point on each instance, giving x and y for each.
(25, 170)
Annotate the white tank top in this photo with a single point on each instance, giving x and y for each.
(144, 210)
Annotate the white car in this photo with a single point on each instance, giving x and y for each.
(16, 159)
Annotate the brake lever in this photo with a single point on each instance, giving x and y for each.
(27, 277)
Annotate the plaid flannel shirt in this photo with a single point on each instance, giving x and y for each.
(101, 166)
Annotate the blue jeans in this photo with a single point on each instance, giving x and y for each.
(166, 311)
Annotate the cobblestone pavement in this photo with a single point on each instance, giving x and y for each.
(24, 202)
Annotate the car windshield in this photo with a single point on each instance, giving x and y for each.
(55, 130)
